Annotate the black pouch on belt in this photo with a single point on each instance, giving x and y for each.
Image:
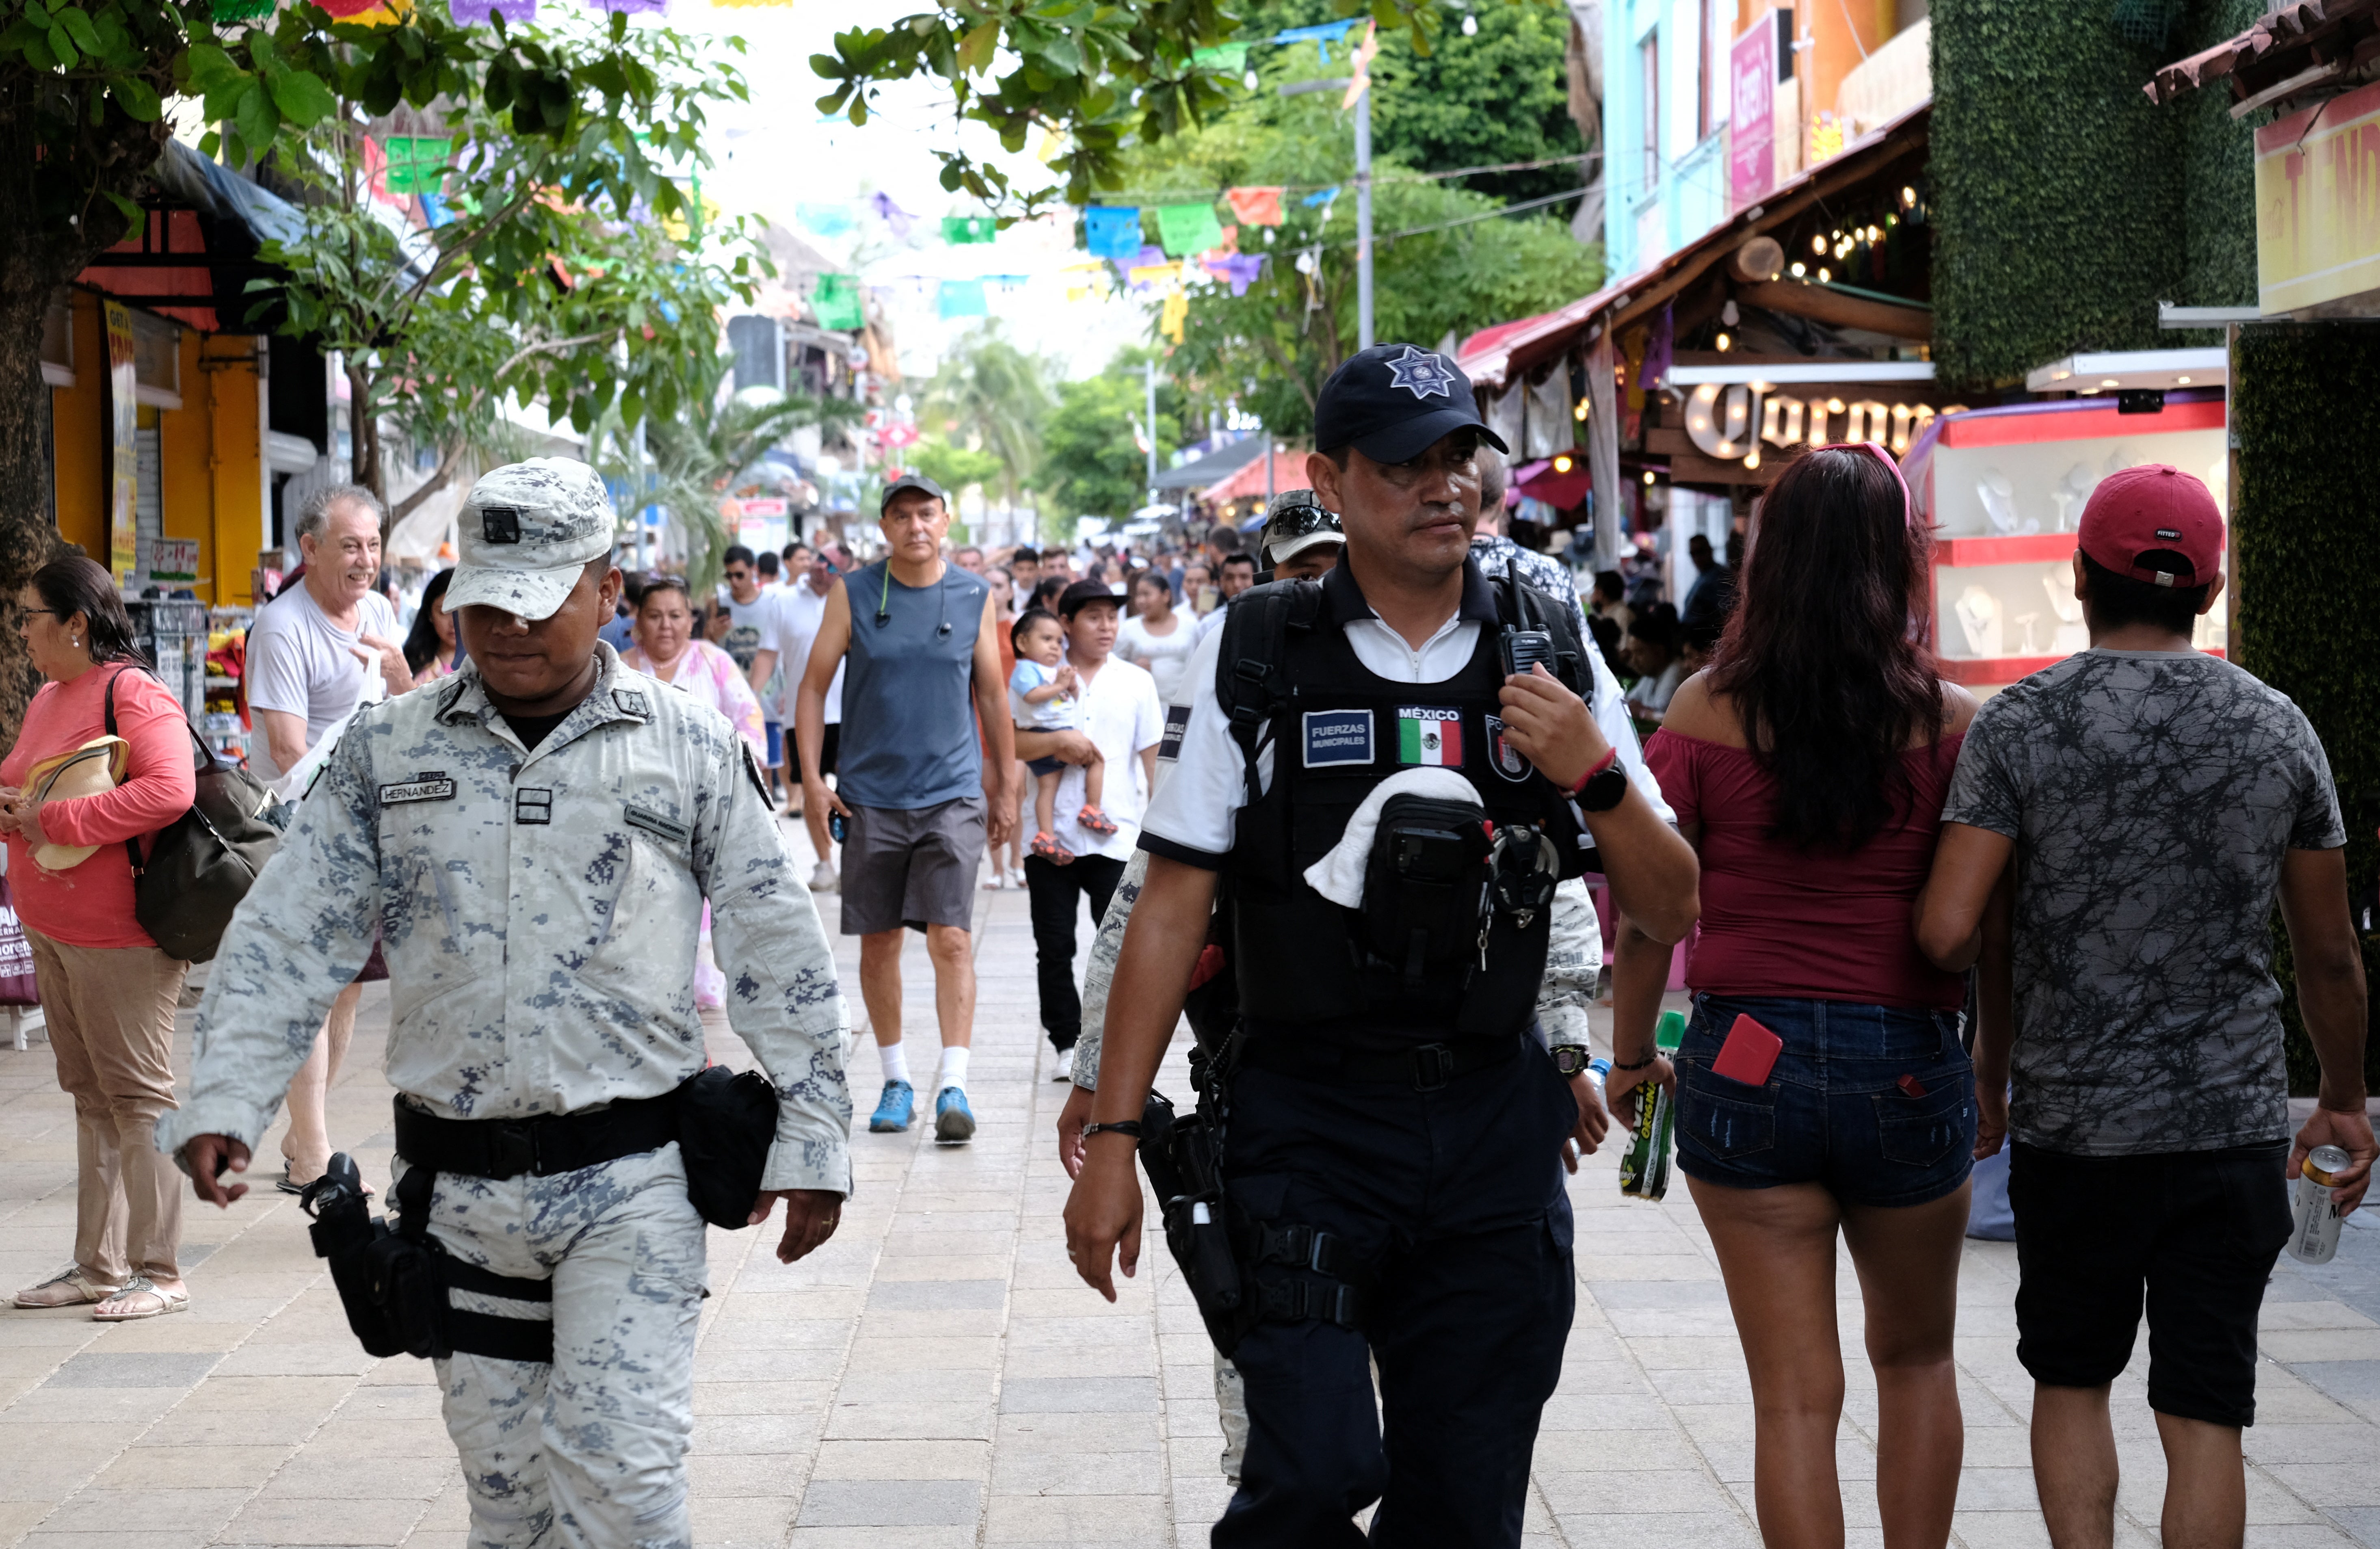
(387, 1281)
(726, 1121)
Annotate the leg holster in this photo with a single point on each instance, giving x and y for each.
(396, 1281)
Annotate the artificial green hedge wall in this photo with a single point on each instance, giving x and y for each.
(2305, 518)
(2064, 203)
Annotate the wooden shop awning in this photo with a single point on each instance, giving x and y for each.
(1493, 357)
(2311, 47)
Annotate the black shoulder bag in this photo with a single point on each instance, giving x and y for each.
(203, 861)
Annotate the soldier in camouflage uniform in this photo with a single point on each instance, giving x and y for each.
(535, 839)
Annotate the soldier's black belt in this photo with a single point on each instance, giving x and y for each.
(541, 1146)
(1425, 1069)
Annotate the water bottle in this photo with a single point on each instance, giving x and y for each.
(2315, 1237)
(1598, 1075)
(1645, 1166)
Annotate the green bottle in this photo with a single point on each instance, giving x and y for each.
(1645, 1166)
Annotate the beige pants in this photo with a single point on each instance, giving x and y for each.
(111, 1020)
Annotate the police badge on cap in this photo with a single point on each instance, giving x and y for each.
(527, 530)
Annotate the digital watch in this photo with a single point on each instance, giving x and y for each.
(1571, 1059)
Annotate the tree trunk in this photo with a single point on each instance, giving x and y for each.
(28, 536)
(363, 439)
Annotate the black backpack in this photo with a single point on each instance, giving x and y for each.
(203, 861)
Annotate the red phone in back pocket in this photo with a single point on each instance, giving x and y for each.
(1749, 1054)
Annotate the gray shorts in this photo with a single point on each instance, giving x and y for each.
(912, 868)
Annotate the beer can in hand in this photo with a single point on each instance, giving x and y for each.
(2315, 1237)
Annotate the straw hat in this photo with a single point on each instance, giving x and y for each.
(96, 766)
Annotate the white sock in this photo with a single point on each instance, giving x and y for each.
(896, 1060)
(954, 1073)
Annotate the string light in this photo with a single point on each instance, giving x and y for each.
(1799, 269)
(1726, 344)
(1562, 464)
(1824, 276)
(1818, 243)
(1648, 478)
(1909, 199)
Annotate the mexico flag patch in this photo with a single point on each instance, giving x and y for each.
(1429, 735)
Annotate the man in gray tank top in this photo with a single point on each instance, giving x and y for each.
(915, 638)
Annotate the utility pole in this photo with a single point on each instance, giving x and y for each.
(1360, 86)
(1148, 380)
(1363, 214)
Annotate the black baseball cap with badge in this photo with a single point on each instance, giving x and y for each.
(1393, 402)
(526, 532)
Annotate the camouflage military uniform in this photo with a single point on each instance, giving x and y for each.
(540, 910)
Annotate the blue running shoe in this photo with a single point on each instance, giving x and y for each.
(891, 1114)
(953, 1121)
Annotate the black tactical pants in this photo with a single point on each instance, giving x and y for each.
(1455, 1197)
(1056, 892)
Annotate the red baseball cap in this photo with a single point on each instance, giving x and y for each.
(2151, 509)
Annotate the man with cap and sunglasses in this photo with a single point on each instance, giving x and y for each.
(535, 839)
(917, 641)
(1391, 1167)
(2156, 801)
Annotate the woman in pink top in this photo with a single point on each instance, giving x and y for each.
(107, 991)
(1807, 765)
(666, 648)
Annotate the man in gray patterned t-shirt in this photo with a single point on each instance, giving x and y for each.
(2156, 801)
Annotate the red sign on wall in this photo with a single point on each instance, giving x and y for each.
(1752, 117)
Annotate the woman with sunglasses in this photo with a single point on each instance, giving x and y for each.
(1822, 1088)
(108, 990)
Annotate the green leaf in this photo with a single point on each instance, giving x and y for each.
(302, 98)
(78, 28)
(62, 46)
(37, 14)
(136, 98)
(207, 68)
(257, 118)
(133, 213)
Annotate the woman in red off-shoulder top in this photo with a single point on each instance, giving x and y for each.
(1807, 765)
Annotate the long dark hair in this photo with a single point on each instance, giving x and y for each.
(79, 585)
(421, 645)
(1826, 657)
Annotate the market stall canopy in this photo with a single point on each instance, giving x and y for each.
(1561, 482)
(1215, 466)
(196, 253)
(1288, 473)
(2309, 48)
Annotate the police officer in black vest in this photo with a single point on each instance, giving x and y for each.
(1386, 805)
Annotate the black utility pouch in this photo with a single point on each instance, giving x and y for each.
(726, 1121)
(1425, 887)
(1178, 1154)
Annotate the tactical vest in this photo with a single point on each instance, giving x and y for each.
(1287, 679)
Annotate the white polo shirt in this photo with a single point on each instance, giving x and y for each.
(1193, 818)
(1119, 712)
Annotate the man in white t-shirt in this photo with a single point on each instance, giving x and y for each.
(786, 649)
(1119, 711)
(315, 653)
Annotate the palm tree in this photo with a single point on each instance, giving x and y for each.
(695, 457)
(993, 394)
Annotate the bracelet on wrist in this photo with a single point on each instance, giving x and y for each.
(1636, 1064)
(1120, 1127)
(1611, 757)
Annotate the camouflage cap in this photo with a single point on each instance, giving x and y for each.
(526, 532)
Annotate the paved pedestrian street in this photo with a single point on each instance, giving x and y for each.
(936, 1377)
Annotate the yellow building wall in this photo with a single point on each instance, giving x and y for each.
(78, 430)
(210, 453)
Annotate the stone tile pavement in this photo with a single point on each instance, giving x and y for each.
(935, 1377)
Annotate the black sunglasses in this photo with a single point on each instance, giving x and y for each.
(1297, 521)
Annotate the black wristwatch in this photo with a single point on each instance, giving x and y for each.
(1604, 792)
(1571, 1059)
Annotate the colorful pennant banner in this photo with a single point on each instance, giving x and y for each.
(417, 164)
(1112, 231)
(962, 299)
(1184, 229)
(962, 230)
(835, 302)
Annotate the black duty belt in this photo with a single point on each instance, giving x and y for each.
(540, 1146)
(1425, 1069)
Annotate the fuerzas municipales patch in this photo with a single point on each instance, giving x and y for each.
(430, 785)
(1338, 737)
(1169, 743)
(1429, 735)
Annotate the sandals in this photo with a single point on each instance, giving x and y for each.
(69, 1287)
(141, 1286)
(1046, 845)
(1092, 820)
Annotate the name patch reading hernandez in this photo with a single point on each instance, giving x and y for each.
(431, 785)
(1334, 737)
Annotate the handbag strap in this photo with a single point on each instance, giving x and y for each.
(211, 765)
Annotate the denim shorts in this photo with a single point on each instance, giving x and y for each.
(1876, 1103)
